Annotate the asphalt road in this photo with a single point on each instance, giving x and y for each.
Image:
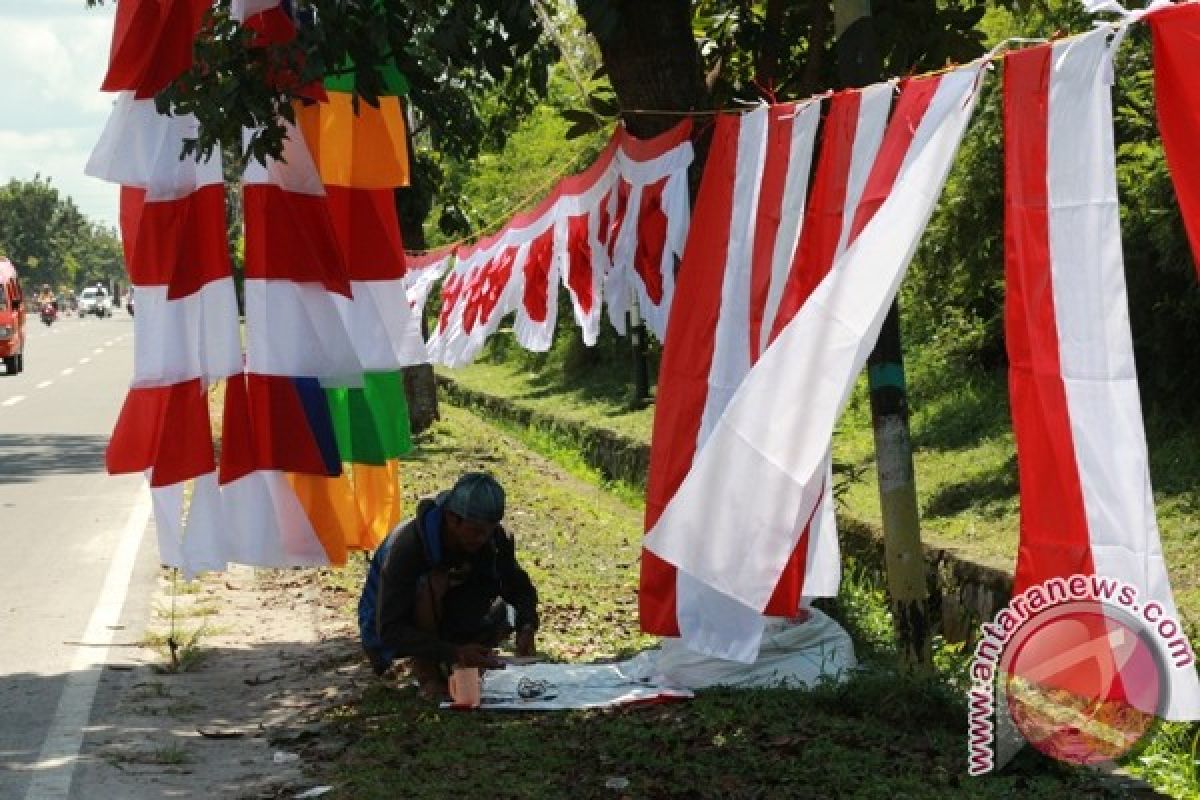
(73, 554)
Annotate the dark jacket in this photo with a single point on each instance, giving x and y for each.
(415, 550)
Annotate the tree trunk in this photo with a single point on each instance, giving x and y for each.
(420, 385)
(859, 65)
(652, 60)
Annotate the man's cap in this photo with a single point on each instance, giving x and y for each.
(477, 497)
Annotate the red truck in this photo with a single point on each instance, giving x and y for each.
(12, 319)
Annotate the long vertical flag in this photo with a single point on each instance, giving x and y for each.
(736, 518)
(1176, 31)
(765, 248)
(173, 230)
(1086, 500)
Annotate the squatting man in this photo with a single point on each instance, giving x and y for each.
(444, 588)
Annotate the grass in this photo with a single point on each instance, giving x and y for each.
(967, 485)
(181, 649)
(964, 458)
(885, 734)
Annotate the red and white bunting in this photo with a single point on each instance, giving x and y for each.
(421, 272)
(613, 230)
(1072, 378)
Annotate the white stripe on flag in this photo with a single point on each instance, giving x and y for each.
(267, 525)
(1094, 339)
(194, 336)
(760, 475)
(791, 212)
(383, 328)
(295, 329)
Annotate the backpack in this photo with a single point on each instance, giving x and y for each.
(368, 601)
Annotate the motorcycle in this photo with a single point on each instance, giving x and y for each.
(49, 313)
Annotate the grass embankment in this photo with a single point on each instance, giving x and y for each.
(965, 463)
(882, 735)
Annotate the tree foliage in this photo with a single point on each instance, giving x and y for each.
(954, 297)
(451, 53)
(50, 241)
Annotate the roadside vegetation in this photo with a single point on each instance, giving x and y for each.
(883, 734)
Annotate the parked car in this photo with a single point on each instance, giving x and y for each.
(95, 300)
(12, 319)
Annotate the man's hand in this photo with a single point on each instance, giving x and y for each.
(524, 642)
(476, 655)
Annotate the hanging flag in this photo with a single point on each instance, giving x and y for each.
(750, 243)
(614, 229)
(422, 272)
(760, 474)
(266, 524)
(152, 44)
(294, 268)
(1176, 31)
(173, 232)
(648, 213)
(1072, 379)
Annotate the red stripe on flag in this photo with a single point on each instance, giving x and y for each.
(164, 429)
(151, 44)
(579, 262)
(1176, 31)
(368, 232)
(652, 238)
(265, 427)
(902, 127)
(536, 297)
(826, 207)
(452, 291)
(686, 361)
(1054, 532)
(290, 236)
(770, 212)
(179, 243)
(915, 96)
(237, 432)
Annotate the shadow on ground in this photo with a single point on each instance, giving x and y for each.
(24, 458)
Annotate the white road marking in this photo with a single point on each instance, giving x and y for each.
(108, 343)
(98, 351)
(67, 371)
(43, 384)
(85, 360)
(12, 401)
(55, 765)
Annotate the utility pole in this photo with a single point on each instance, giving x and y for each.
(858, 65)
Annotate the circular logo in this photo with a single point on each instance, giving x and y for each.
(1084, 682)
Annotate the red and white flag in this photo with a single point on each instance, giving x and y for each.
(1176, 31)
(173, 231)
(747, 247)
(736, 518)
(1086, 501)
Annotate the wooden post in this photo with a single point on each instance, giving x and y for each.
(858, 65)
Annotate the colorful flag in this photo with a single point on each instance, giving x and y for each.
(734, 522)
(1086, 501)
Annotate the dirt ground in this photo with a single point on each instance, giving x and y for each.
(261, 655)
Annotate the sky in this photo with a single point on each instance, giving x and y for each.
(53, 54)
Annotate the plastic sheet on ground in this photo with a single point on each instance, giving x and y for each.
(793, 655)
